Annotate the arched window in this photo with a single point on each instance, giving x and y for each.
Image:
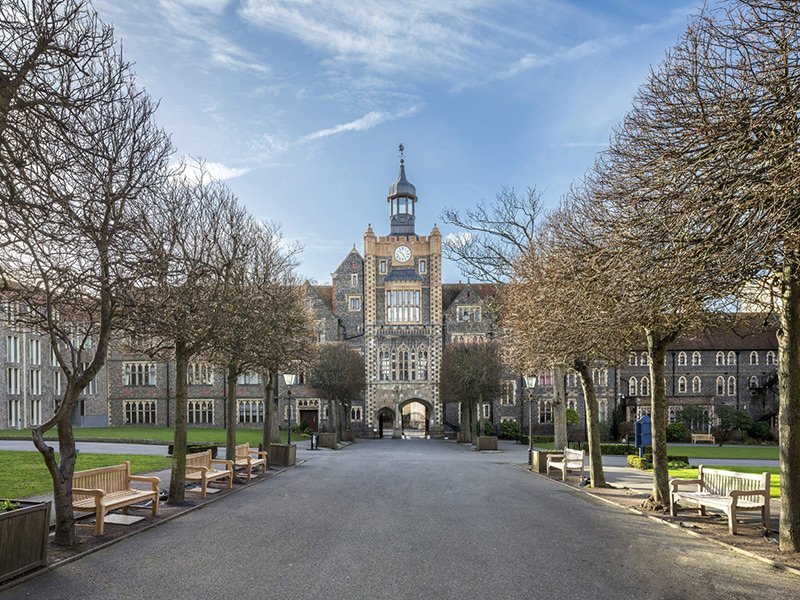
(546, 378)
(731, 386)
(632, 359)
(632, 387)
(771, 360)
(645, 386)
(681, 384)
(753, 382)
(696, 360)
(643, 360)
(681, 358)
(720, 386)
(720, 358)
(596, 376)
(697, 385)
(731, 358)
(545, 411)
(604, 377)
(754, 358)
(602, 409)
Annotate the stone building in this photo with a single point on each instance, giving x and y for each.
(390, 304)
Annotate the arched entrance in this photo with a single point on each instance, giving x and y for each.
(416, 419)
(385, 419)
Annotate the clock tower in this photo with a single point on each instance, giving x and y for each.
(403, 319)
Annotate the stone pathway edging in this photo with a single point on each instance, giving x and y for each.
(36, 572)
(657, 519)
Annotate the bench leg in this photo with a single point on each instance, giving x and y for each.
(672, 509)
(155, 505)
(230, 479)
(564, 474)
(203, 487)
(732, 521)
(99, 525)
(765, 515)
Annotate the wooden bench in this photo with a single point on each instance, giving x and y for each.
(727, 491)
(200, 468)
(569, 460)
(703, 437)
(104, 489)
(247, 457)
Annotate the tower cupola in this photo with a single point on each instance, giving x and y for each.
(402, 200)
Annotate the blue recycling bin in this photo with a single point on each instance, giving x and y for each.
(643, 434)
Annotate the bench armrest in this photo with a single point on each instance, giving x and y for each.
(735, 494)
(153, 481)
(221, 461)
(674, 483)
(97, 493)
(259, 453)
(554, 458)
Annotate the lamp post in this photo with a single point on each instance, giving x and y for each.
(530, 384)
(289, 379)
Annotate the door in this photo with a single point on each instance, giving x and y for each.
(311, 417)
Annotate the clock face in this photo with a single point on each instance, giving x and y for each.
(402, 254)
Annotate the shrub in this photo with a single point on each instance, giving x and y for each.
(509, 430)
(638, 463)
(610, 449)
(761, 431)
(488, 428)
(646, 461)
(543, 439)
(676, 432)
(731, 421)
(572, 417)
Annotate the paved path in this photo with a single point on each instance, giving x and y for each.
(91, 447)
(410, 519)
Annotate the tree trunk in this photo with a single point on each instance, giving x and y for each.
(466, 423)
(560, 438)
(789, 404)
(61, 472)
(478, 419)
(274, 411)
(266, 436)
(656, 350)
(177, 481)
(230, 411)
(592, 425)
(333, 413)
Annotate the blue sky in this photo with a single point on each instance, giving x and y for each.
(299, 105)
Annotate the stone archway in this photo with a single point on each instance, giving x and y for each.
(416, 417)
(385, 419)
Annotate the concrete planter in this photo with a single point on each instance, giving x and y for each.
(282, 455)
(348, 436)
(487, 442)
(23, 538)
(327, 440)
(539, 459)
(461, 437)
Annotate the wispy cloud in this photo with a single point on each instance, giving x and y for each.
(368, 121)
(563, 55)
(383, 36)
(215, 170)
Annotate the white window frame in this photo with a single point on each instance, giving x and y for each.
(720, 386)
(731, 386)
(140, 412)
(681, 358)
(35, 382)
(354, 303)
(697, 385)
(731, 358)
(13, 387)
(697, 359)
(200, 411)
(682, 384)
(754, 357)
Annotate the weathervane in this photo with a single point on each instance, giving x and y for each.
(402, 148)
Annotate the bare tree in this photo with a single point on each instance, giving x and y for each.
(471, 374)
(79, 155)
(193, 259)
(494, 234)
(338, 374)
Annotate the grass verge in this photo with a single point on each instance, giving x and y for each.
(23, 473)
(155, 434)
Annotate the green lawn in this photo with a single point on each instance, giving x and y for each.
(711, 451)
(155, 434)
(23, 473)
(774, 480)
